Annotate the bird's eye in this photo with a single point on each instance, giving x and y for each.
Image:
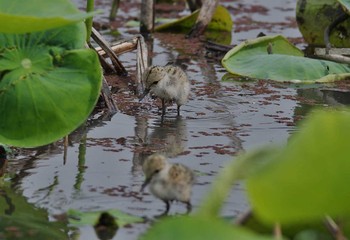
(156, 171)
(155, 82)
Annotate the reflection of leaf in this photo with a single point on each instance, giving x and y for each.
(286, 63)
(45, 92)
(309, 178)
(78, 218)
(198, 228)
(221, 21)
(37, 15)
(21, 220)
(29, 227)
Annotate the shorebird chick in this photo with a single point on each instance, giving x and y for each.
(169, 83)
(168, 182)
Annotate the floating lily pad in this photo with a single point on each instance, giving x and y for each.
(78, 218)
(221, 21)
(46, 91)
(274, 58)
(308, 179)
(38, 15)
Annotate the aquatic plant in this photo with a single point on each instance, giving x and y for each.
(275, 58)
(49, 83)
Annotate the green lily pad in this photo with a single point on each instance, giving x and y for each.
(69, 37)
(221, 21)
(38, 15)
(286, 63)
(78, 218)
(45, 91)
(198, 228)
(308, 179)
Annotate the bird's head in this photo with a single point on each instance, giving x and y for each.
(152, 166)
(151, 77)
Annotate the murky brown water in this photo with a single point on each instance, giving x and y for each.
(102, 169)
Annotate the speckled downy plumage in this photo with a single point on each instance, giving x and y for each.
(169, 83)
(168, 182)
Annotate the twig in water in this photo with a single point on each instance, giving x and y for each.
(334, 228)
(105, 46)
(277, 231)
(333, 54)
(205, 15)
(65, 145)
(244, 217)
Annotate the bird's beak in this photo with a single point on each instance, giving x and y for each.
(144, 94)
(145, 184)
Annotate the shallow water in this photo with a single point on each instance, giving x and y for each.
(102, 168)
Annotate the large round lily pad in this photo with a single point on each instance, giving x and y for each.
(46, 91)
(275, 58)
(20, 16)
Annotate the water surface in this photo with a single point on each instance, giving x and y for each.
(102, 169)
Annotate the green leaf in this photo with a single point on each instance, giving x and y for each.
(37, 15)
(45, 92)
(286, 63)
(198, 228)
(313, 16)
(221, 21)
(238, 169)
(68, 37)
(78, 218)
(309, 178)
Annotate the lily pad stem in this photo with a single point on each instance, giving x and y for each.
(88, 22)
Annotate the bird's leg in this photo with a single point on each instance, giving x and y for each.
(167, 208)
(189, 207)
(178, 110)
(163, 107)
